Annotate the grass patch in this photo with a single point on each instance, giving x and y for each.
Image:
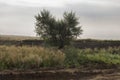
(99, 58)
(26, 57)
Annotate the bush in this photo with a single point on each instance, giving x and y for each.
(71, 57)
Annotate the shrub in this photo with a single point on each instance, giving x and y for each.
(71, 57)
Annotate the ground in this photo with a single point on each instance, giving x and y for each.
(61, 74)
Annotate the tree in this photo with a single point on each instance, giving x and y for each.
(57, 32)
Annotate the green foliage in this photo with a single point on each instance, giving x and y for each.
(99, 58)
(71, 56)
(57, 32)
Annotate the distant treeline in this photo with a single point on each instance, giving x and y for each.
(86, 43)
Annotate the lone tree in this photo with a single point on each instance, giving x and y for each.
(57, 32)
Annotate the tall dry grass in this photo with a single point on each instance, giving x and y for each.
(29, 57)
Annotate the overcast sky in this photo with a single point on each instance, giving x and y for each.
(100, 19)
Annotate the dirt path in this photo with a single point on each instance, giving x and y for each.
(110, 76)
(61, 74)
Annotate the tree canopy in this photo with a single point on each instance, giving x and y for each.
(57, 32)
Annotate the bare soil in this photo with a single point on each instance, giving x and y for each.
(61, 74)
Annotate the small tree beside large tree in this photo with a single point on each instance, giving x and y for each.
(57, 32)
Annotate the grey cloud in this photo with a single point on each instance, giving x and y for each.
(97, 21)
(17, 20)
(90, 10)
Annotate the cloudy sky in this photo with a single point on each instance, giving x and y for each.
(100, 19)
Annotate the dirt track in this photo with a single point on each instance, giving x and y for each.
(61, 74)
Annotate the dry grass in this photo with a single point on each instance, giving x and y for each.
(29, 57)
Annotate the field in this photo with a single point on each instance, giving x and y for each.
(16, 38)
(50, 60)
(35, 41)
(25, 57)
